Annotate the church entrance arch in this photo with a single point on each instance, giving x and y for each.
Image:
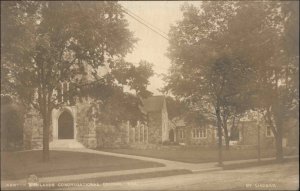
(65, 126)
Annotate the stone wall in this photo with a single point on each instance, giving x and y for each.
(165, 121)
(109, 136)
(293, 137)
(86, 127)
(249, 135)
(209, 140)
(292, 132)
(12, 127)
(155, 127)
(33, 131)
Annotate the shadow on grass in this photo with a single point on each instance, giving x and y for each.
(198, 154)
(18, 165)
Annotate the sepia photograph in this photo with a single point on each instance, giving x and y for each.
(150, 95)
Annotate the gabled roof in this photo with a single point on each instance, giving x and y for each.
(153, 103)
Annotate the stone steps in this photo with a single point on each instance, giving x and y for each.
(66, 143)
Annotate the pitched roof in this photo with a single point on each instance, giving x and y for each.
(153, 103)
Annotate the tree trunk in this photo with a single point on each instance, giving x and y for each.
(219, 136)
(278, 111)
(46, 127)
(226, 135)
(279, 149)
(227, 143)
(277, 132)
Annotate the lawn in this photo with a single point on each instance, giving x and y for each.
(198, 154)
(18, 165)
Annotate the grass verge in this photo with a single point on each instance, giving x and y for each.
(199, 155)
(254, 164)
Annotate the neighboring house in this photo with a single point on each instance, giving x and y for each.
(249, 134)
(245, 134)
(193, 134)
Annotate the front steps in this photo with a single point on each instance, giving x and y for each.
(65, 144)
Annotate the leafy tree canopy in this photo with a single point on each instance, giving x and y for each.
(47, 43)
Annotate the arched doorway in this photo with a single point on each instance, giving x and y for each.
(65, 126)
(171, 135)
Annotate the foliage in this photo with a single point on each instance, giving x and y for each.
(205, 72)
(47, 43)
(175, 107)
(230, 57)
(113, 104)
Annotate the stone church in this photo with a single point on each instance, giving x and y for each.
(72, 128)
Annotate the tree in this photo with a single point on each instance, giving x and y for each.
(59, 42)
(269, 46)
(115, 104)
(175, 107)
(118, 100)
(234, 56)
(204, 70)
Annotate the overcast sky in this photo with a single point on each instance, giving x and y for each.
(152, 47)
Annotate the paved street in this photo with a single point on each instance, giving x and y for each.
(270, 177)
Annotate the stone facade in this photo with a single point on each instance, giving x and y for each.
(91, 134)
(86, 126)
(155, 127)
(248, 134)
(12, 125)
(137, 135)
(157, 119)
(109, 136)
(193, 135)
(84, 130)
(33, 131)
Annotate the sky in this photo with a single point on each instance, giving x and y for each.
(152, 47)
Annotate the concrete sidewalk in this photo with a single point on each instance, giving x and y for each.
(169, 165)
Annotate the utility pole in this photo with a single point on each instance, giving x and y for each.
(258, 142)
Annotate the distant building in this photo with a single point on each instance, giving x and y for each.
(185, 134)
(246, 134)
